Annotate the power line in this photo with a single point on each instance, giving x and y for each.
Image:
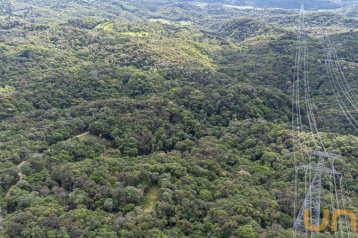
(312, 200)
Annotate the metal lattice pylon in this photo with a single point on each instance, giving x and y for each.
(312, 200)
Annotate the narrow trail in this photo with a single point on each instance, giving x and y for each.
(22, 175)
(79, 135)
(75, 137)
(8, 193)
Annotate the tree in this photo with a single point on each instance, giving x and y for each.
(131, 194)
(97, 128)
(57, 136)
(111, 120)
(205, 195)
(128, 145)
(23, 184)
(63, 233)
(167, 196)
(108, 204)
(269, 157)
(27, 169)
(247, 231)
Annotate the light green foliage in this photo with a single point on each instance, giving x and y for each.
(188, 119)
(27, 168)
(205, 195)
(247, 231)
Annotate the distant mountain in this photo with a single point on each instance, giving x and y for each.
(291, 4)
(349, 11)
(134, 10)
(243, 28)
(294, 4)
(164, 119)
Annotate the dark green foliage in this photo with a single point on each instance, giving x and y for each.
(189, 129)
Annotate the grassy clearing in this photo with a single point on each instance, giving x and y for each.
(89, 137)
(185, 23)
(7, 89)
(164, 21)
(107, 26)
(150, 197)
(140, 34)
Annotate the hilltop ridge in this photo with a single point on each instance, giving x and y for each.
(170, 120)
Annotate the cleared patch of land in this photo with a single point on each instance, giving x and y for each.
(243, 7)
(105, 26)
(89, 137)
(80, 136)
(160, 20)
(150, 197)
(140, 34)
(164, 21)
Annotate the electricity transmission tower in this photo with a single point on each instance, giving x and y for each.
(313, 196)
(312, 201)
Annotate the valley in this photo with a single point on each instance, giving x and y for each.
(165, 119)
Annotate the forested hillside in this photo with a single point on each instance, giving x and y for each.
(124, 119)
(202, 15)
(350, 10)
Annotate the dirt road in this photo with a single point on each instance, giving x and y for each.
(74, 137)
(22, 175)
(8, 193)
(79, 135)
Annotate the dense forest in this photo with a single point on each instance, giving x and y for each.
(161, 119)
